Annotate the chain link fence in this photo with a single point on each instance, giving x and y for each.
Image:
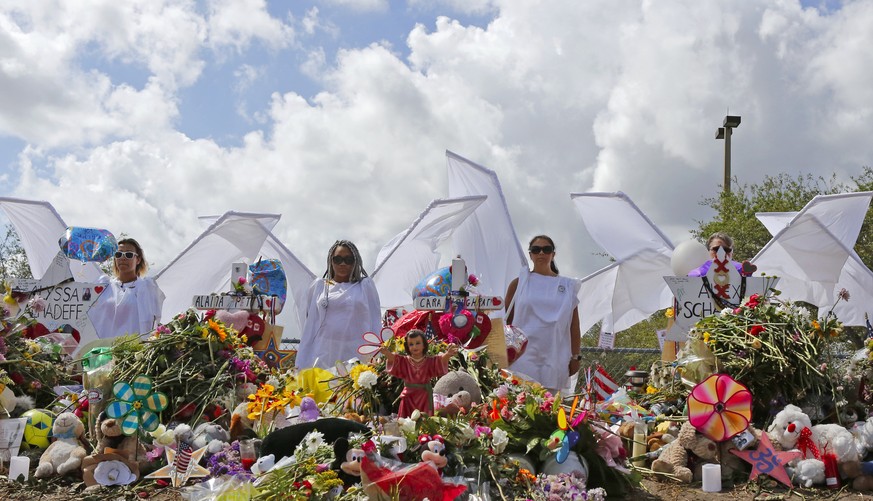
(618, 361)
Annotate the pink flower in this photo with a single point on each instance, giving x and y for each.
(242, 280)
(506, 414)
(520, 399)
(38, 304)
(473, 280)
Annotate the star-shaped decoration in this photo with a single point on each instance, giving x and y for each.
(172, 470)
(274, 357)
(767, 461)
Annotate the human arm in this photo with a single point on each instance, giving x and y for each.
(575, 342)
(510, 293)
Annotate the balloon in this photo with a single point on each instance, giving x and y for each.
(268, 278)
(688, 255)
(88, 244)
(438, 283)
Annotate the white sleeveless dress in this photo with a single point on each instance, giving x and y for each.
(544, 311)
(338, 315)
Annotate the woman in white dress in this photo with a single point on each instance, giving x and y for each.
(131, 302)
(343, 305)
(545, 309)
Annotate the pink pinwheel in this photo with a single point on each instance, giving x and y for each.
(720, 407)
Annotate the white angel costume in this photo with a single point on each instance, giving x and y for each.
(543, 310)
(338, 315)
(127, 308)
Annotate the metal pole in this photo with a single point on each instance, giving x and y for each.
(727, 159)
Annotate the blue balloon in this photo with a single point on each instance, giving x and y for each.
(268, 278)
(438, 283)
(88, 244)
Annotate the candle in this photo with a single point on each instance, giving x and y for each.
(712, 478)
(459, 274)
(19, 465)
(639, 448)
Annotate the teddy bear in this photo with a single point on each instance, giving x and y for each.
(210, 435)
(792, 429)
(454, 392)
(65, 454)
(115, 460)
(675, 456)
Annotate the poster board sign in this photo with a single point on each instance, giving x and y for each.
(692, 300)
(472, 303)
(228, 302)
(11, 433)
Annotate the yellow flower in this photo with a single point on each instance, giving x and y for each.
(215, 326)
(651, 390)
(706, 337)
(816, 325)
(756, 344)
(669, 313)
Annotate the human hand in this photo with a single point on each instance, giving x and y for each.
(573, 366)
(452, 350)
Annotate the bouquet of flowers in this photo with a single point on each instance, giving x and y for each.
(195, 360)
(778, 349)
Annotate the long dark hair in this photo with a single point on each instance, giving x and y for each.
(142, 267)
(358, 272)
(415, 333)
(552, 264)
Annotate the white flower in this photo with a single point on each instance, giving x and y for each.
(499, 439)
(407, 426)
(466, 434)
(367, 379)
(725, 312)
(313, 440)
(416, 415)
(273, 381)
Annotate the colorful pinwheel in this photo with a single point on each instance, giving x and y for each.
(136, 405)
(374, 342)
(565, 436)
(720, 407)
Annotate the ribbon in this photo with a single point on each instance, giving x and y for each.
(806, 444)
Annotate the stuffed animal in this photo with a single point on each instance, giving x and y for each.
(241, 427)
(792, 429)
(675, 458)
(281, 443)
(435, 451)
(455, 391)
(115, 460)
(65, 454)
(210, 435)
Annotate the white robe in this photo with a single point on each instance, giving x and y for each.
(543, 310)
(336, 321)
(132, 308)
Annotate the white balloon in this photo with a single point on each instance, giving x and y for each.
(688, 255)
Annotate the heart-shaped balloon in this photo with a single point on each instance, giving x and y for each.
(749, 268)
(237, 319)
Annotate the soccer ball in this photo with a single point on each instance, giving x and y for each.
(38, 428)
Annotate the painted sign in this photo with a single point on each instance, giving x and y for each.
(472, 303)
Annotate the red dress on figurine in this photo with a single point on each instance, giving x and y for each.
(417, 390)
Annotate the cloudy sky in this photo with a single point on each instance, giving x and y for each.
(139, 116)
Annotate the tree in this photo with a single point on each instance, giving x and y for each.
(13, 260)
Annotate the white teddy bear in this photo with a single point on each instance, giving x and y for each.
(788, 429)
(65, 454)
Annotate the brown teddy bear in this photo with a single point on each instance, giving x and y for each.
(678, 458)
(120, 452)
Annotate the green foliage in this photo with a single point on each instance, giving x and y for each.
(735, 211)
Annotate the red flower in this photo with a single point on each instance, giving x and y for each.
(754, 301)
(756, 329)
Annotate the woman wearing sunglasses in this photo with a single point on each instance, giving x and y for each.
(131, 302)
(717, 242)
(343, 305)
(543, 305)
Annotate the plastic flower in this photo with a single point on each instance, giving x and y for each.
(136, 405)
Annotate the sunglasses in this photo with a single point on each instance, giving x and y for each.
(727, 250)
(343, 259)
(546, 249)
(126, 255)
